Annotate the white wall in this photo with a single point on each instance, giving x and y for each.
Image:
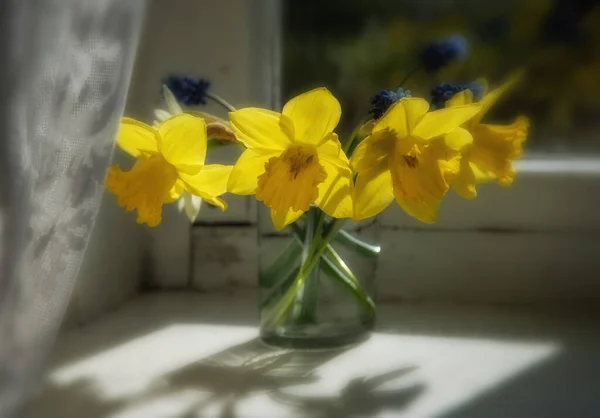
(233, 44)
(536, 242)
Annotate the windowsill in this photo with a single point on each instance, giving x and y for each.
(181, 355)
(562, 164)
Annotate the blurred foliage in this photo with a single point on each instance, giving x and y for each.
(357, 47)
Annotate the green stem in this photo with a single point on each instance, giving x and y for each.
(280, 287)
(349, 145)
(333, 228)
(286, 268)
(306, 302)
(279, 312)
(343, 238)
(221, 101)
(355, 244)
(318, 236)
(286, 262)
(337, 268)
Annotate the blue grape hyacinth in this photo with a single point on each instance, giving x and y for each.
(441, 53)
(384, 99)
(188, 90)
(441, 93)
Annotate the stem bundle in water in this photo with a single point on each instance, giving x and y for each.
(303, 293)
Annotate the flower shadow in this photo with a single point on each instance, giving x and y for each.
(220, 384)
(246, 369)
(360, 397)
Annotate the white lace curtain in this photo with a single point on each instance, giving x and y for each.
(65, 70)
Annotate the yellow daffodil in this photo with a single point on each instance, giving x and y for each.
(494, 147)
(400, 160)
(293, 158)
(170, 160)
(215, 128)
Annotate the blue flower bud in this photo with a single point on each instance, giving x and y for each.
(441, 53)
(188, 90)
(441, 93)
(384, 99)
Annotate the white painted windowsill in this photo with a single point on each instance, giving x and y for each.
(197, 355)
(536, 163)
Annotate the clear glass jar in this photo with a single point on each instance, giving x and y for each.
(317, 280)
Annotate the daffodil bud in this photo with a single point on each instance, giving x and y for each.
(220, 131)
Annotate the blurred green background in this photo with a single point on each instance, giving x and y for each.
(358, 47)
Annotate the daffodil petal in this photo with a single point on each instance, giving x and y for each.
(243, 179)
(361, 157)
(373, 191)
(443, 121)
(183, 142)
(415, 108)
(461, 98)
(211, 180)
(403, 116)
(490, 99)
(495, 147)
(314, 114)
(281, 219)
(161, 115)
(372, 150)
(464, 182)
(259, 129)
(135, 137)
(482, 173)
(171, 101)
(287, 126)
(393, 120)
(457, 139)
(331, 147)
(190, 204)
(419, 187)
(335, 193)
(216, 201)
(331, 151)
(176, 191)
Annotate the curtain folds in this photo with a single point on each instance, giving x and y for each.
(66, 66)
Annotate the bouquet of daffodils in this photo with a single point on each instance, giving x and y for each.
(409, 151)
